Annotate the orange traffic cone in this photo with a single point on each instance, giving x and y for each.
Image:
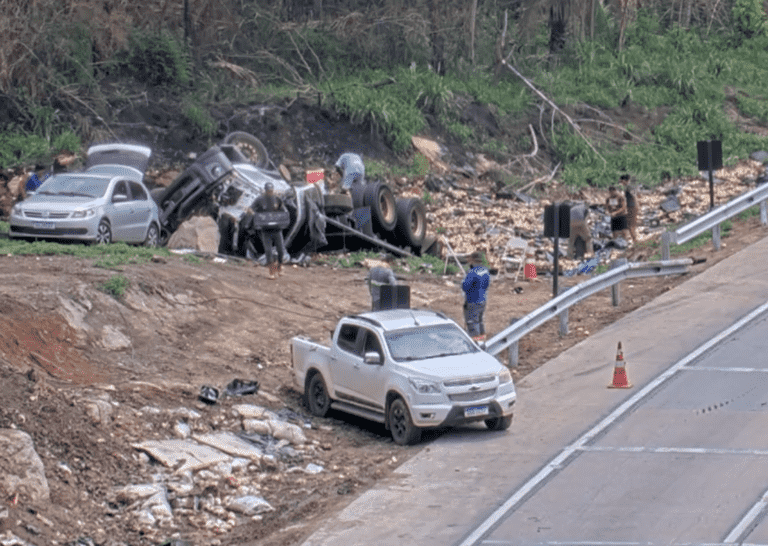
(620, 380)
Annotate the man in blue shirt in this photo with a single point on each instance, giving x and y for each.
(475, 286)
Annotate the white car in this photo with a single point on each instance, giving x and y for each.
(105, 203)
(407, 368)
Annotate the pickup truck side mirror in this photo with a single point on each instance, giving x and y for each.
(372, 357)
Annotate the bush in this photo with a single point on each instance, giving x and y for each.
(158, 59)
(749, 17)
(201, 120)
(115, 286)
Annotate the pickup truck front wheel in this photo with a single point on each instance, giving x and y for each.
(317, 396)
(499, 423)
(404, 432)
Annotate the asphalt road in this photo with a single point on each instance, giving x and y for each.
(660, 463)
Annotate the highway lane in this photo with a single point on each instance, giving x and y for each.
(684, 461)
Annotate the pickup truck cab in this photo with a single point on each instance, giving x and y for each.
(407, 368)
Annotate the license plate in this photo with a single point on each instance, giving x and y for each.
(475, 411)
(44, 225)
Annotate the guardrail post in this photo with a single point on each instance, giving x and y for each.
(513, 349)
(666, 239)
(615, 289)
(763, 213)
(564, 315)
(716, 236)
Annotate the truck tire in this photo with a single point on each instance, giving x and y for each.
(411, 222)
(250, 146)
(499, 423)
(357, 191)
(404, 432)
(380, 198)
(337, 204)
(318, 400)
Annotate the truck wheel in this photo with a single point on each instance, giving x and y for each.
(250, 146)
(337, 203)
(499, 423)
(380, 198)
(317, 396)
(357, 191)
(411, 222)
(404, 432)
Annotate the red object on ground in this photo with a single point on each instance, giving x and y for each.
(530, 271)
(620, 380)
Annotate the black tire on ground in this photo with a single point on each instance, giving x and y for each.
(156, 193)
(250, 146)
(404, 432)
(153, 236)
(357, 191)
(337, 203)
(104, 233)
(317, 396)
(411, 222)
(428, 242)
(380, 198)
(499, 423)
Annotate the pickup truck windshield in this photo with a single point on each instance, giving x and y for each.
(428, 342)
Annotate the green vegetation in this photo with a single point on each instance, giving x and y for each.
(4, 227)
(201, 120)
(696, 242)
(416, 264)
(192, 259)
(157, 58)
(426, 197)
(106, 256)
(115, 286)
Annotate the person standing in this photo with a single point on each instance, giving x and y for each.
(617, 208)
(379, 275)
(271, 237)
(579, 229)
(351, 169)
(475, 287)
(632, 207)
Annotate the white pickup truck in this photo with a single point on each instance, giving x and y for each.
(407, 368)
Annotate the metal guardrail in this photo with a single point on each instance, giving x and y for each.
(557, 306)
(714, 218)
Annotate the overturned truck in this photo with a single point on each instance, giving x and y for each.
(224, 181)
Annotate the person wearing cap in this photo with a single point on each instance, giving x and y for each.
(271, 237)
(475, 287)
(351, 169)
(379, 275)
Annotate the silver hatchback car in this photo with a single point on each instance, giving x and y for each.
(107, 202)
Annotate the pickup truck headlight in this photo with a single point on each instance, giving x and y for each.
(424, 387)
(504, 376)
(87, 213)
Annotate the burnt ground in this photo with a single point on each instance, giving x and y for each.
(208, 323)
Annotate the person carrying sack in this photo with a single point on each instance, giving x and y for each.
(475, 287)
(271, 237)
(379, 275)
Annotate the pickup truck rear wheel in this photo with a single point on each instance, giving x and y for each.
(499, 423)
(317, 396)
(250, 146)
(404, 432)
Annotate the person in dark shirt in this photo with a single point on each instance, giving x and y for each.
(475, 287)
(632, 207)
(269, 202)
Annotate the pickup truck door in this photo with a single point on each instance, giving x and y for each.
(345, 359)
(369, 380)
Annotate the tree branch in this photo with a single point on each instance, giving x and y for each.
(554, 107)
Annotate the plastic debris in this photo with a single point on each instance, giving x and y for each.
(250, 505)
(238, 387)
(209, 394)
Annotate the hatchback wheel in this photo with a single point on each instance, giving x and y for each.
(103, 233)
(153, 236)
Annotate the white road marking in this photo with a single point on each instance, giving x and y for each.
(694, 450)
(714, 369)
(556, 463)
(747, 520)
(598, 543)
